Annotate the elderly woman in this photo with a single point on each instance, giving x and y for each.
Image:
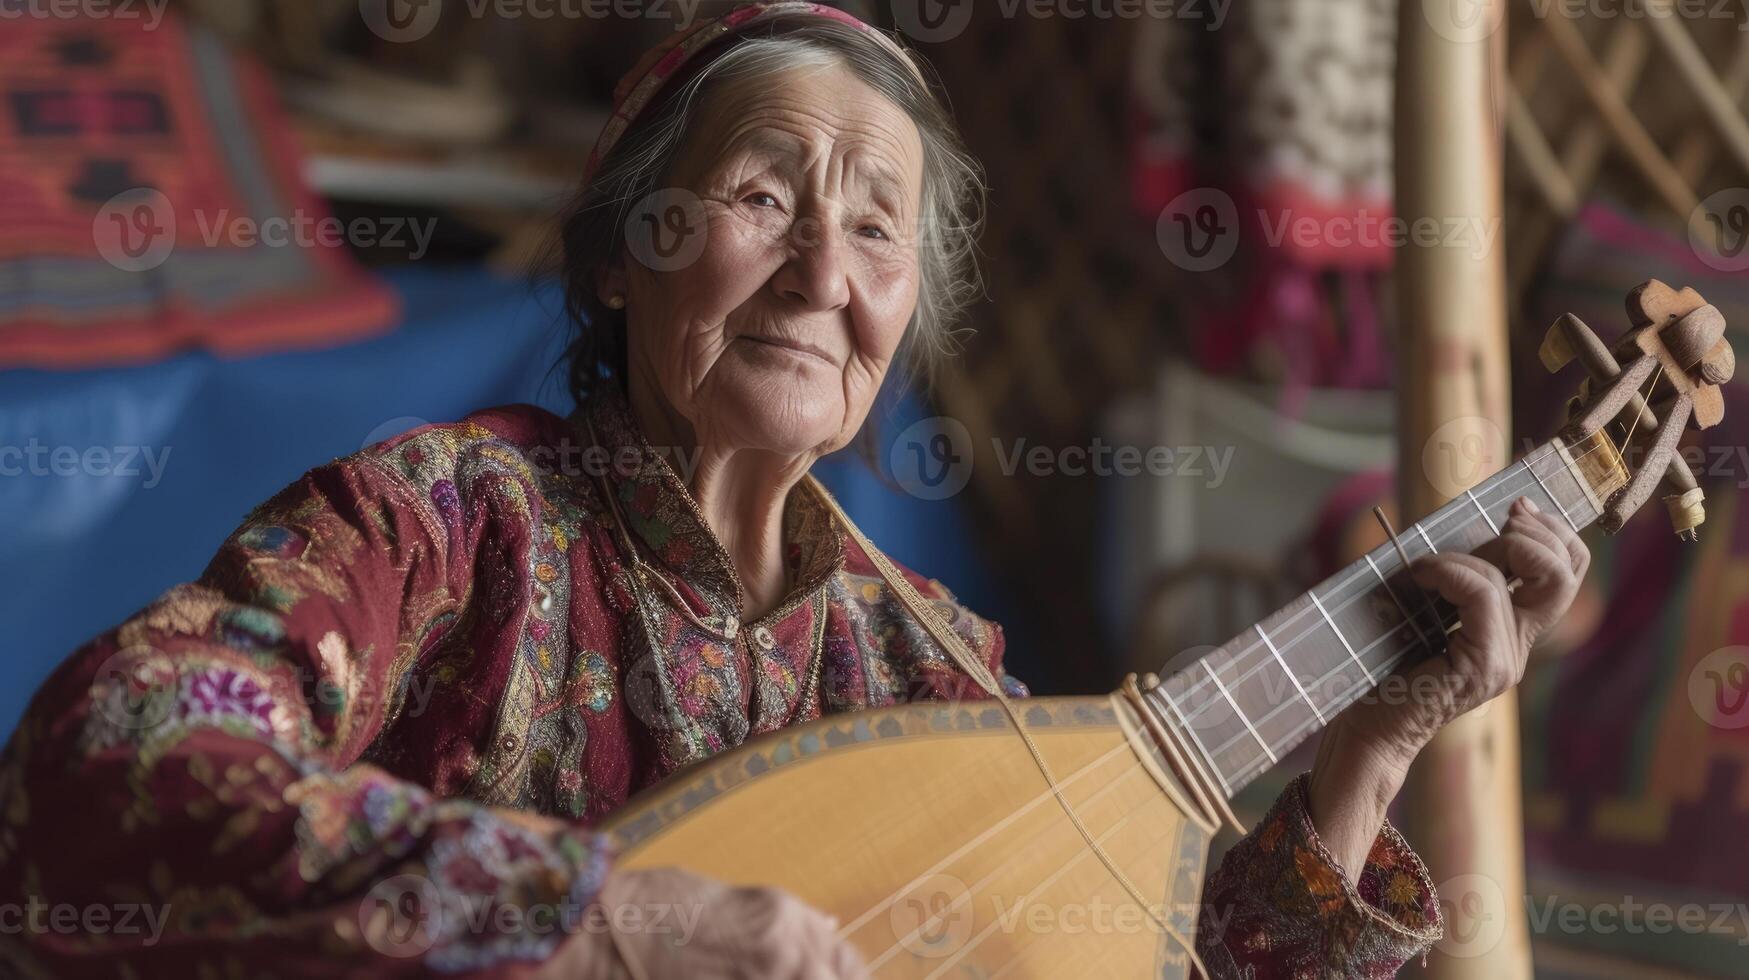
(440, 659)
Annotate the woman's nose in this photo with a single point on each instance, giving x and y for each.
(815, 274)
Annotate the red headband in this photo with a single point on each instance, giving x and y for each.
(640, 85)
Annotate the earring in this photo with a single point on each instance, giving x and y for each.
(616, 302)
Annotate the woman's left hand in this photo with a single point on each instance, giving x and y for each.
(1366, 752)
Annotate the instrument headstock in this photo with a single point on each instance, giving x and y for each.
(1673, 336)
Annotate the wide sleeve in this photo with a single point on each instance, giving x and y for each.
(1281, 906)
(184, 796)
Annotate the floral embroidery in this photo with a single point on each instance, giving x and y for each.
(1279, 905)
(221, 694)
(594, 681)
(186, 609)
(273, 541)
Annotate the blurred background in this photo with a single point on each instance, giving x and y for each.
(239, 238)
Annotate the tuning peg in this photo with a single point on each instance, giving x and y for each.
(1677, 335)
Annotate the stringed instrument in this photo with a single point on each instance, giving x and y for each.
(1067, 836)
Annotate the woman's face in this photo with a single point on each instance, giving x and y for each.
(776, 337)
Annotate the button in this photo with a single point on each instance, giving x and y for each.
(763, 637)
(731, 626)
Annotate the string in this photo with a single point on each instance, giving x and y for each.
(976, 669)
(1409, 621)
(1385, 667)
(1435, 522)
(1527, 465)
(1647, 398)
(1048, 880)
(1403, 553)
(875, 964)
(1389, 665)
(856, 924)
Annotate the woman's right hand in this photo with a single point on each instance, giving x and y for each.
(669, 924)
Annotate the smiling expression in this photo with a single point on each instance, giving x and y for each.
(778, 336)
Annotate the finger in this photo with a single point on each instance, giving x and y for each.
(1524, 518)
(824, 956)
(1530, 550)
(1578, 555)
(847, 963)
(1543, 567)
(1577, 551)
(814, 935)
(1491, 659)
(1475, 587)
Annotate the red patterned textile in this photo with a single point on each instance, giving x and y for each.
(387, 667)
(1280, 905)
(153, 201)
(639, 87)
(1261, 151)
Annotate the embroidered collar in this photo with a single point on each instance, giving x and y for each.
(666, 522)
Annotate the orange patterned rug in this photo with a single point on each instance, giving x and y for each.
(153, 202)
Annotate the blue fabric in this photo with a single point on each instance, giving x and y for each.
(86, 540)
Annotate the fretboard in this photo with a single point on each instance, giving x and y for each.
(1247, 704)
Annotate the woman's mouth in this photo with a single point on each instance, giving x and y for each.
(799, 348)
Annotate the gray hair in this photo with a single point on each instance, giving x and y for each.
(591, 231)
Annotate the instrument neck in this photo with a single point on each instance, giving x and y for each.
(1251, 701)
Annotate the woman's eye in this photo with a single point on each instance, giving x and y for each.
(872, 231)
(761, 199)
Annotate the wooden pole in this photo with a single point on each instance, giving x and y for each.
(1463, 800)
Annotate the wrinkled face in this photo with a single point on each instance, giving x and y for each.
(777, 336)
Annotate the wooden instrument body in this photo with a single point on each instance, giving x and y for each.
(932, 835)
